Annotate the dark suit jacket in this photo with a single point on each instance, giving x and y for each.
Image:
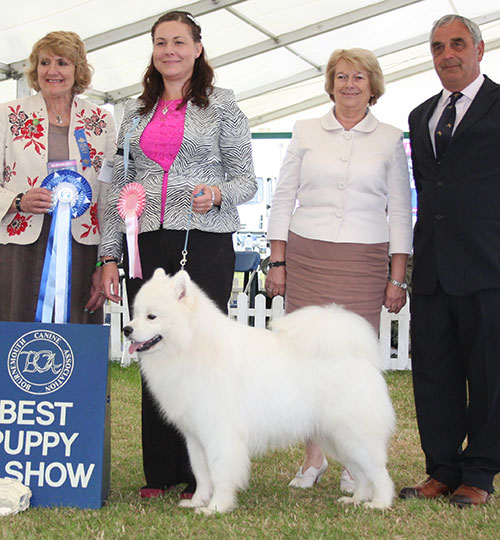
(457, 234)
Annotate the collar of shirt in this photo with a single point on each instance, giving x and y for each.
(469, 93)
(367, 125)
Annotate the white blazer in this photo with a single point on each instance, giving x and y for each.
(342, 185)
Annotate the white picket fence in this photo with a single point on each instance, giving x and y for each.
(395, 358)
(117, 316)
(392, 359)
(259, 316)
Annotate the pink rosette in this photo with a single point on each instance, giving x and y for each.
(130, 206)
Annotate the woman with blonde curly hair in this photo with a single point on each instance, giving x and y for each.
(38, 134)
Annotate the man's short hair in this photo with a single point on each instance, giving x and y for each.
(471, 26)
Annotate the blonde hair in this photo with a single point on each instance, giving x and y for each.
(361, 59)
(61, 43)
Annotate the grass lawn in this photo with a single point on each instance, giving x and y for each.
(268, 509)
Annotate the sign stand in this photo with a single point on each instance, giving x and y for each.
(55, 411)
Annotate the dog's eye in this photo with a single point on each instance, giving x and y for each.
(151, 317)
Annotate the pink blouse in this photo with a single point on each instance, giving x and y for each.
(162, 138)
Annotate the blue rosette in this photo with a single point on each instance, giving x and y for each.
(78, 192)
(72, 196)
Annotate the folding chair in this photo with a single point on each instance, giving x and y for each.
(248, 262)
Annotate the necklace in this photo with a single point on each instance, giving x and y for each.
(168, 104)
(58, 119)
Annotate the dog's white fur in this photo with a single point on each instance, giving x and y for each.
(235, 391)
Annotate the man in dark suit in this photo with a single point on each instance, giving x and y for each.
(455, 141)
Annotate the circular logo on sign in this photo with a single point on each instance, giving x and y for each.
(40, 362)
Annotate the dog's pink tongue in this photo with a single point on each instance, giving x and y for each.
(134, 345)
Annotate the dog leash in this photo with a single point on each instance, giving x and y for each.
(188, 227)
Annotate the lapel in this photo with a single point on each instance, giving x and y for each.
(144, 121)
(484, 99)
(135, 139)
(423, 127)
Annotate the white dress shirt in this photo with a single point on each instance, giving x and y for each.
(461, 106)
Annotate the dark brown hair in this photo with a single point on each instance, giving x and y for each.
(198, 88)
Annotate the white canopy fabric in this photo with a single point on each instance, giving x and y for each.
(272, 53)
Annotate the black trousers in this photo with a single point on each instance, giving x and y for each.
(456, 378)
(210, 264)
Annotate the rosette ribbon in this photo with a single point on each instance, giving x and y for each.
(130, 206)
(72, 195)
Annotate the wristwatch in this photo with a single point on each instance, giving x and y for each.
(403, 285)
(17, 202)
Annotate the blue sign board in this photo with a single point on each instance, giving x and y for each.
(54, 411)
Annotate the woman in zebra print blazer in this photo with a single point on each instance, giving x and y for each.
(181, 137)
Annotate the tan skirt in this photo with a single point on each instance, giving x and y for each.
(352, 275)
(21, 270)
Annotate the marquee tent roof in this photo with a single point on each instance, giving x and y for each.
(272, 53)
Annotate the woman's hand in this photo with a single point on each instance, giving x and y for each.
(110, 282)
(97, 298)
(204, 203)
(394, 298)
(275, 281)
(36, 201)
(276, 276)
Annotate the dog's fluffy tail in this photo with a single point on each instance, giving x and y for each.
(329, 331)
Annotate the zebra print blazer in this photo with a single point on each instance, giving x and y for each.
(216, 150)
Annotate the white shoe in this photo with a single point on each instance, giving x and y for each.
(309, 477)
(347, 484)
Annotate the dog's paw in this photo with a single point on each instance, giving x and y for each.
(206, 511)
(349, 500)
(191, 503)
(221, 507)
(377, 504)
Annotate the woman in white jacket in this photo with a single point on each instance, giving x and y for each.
(34, 131)
(342, 206)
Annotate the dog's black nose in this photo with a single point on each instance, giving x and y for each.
(127, 330)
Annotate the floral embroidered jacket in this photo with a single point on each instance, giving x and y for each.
(23, 160)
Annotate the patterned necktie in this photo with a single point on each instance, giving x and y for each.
(444, 127)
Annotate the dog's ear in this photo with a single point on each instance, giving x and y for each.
(181, 284)
(159, 272)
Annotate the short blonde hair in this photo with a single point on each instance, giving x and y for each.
(361, 59)
(61, 43)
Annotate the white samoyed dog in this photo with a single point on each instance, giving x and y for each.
(235, 391)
